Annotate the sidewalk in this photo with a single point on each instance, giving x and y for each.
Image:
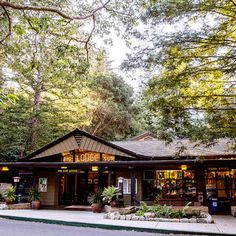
(224, 225)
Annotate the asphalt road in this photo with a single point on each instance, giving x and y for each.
(22, 228)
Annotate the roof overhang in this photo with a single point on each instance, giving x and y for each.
(150, 163)
(79, 139)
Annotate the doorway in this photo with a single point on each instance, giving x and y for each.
(76, 189)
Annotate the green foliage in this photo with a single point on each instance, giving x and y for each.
(167, 211)
(33, 195)
(97, 197)
(192, 92)
(110, 194)
(6, 99)
(10, 194)
(115, 116)
(57, 90)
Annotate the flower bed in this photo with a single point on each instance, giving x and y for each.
(161, 213)
(118, 216)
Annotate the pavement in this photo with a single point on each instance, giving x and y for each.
(224, 224)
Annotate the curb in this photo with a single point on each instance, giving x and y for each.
(104, 226)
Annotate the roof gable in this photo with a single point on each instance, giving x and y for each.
(78, 139)
(143, 137)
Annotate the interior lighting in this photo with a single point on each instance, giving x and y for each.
(94, 168)
(184, 167)
(5, 168)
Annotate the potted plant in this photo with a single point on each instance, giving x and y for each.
(110, 195)
(96, 202)
(10, 195)
(34, 198)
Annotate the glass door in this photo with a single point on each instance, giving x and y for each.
(67, 189)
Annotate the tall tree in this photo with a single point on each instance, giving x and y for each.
(116, 114)
(43, 65)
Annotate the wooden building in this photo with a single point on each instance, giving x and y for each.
(71, 168)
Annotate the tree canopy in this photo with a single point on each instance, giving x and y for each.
(53, 77)
(59, 79)
(190, 51)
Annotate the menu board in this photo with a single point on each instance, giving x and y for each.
(43, 185)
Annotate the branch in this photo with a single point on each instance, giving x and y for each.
(233, 2)
(29, 22)
(205, 96)
(211, 109)
(89, 37)
(51, 9)
(9, 25)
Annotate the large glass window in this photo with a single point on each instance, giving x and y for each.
(220, 182)
(169, 184)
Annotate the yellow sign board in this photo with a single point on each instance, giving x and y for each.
(87, 157)
(107, 157)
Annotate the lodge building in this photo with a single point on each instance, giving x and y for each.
(71, 168)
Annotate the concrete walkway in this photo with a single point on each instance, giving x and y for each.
(224, 225)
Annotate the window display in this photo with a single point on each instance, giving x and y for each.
(170, 184)
(220, 182)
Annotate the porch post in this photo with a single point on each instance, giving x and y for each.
(200, 183)
(100, 179)
(76, 188)
(109, 178)
(133, 187)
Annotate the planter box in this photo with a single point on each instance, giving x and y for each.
(19, 206)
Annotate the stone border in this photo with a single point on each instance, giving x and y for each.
(117, 216)
(18, 206)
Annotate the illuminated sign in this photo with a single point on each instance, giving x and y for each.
(107, 157)
(87, 157)
(94, 168)
(68, 171)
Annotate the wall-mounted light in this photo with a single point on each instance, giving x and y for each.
(184, 167)
(16, 179)
(120, 179)
(94, 168)
(63, 167)
(4, 168)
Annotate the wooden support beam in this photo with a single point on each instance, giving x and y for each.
(133, 186)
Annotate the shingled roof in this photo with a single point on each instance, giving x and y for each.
(160, 149)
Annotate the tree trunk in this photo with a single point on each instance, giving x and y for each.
(36, 108)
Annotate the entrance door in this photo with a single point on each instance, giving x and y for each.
(77, 188)
(88, 184)
(67, 189)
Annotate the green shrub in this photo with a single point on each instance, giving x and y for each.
(167, 211)
(96, 198)
(110, 194)
(10, 194)
(33, 195)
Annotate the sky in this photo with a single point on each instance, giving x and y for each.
(116, 54)
(117, 51)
